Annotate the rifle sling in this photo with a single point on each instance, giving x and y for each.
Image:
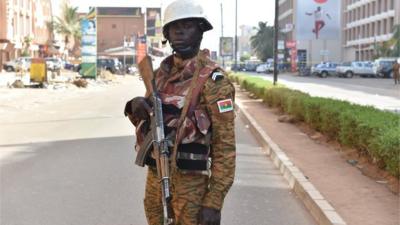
(188, 101)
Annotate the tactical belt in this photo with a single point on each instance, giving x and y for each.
(191, 156)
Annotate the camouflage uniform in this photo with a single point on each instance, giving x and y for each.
(190, 188)
(396, 73)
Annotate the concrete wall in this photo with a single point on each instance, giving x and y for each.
(111, 30)
(3, 19)
(321, 50)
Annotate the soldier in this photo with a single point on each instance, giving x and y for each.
(204, 135)
(396, 72)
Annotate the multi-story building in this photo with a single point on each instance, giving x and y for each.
(306, 44)
(244, 40)
(116, 23)
(23, 26)
(367, 23)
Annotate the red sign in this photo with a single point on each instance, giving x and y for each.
(141, 48)
(290, 44)
(321, 1)
(293, 59)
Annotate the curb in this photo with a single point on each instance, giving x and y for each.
(318, 206)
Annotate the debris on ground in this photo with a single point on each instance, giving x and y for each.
(352, 162)
(82, 83)
(18, 84)
(286, 119)
(106, 75)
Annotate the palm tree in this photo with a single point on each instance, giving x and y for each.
(263, 41)
(390, 47)
(395, 41)
(69, 26)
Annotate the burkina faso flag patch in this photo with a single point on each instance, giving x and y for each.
(225, 105)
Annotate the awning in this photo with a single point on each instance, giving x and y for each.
(6, 46)
(119, 51)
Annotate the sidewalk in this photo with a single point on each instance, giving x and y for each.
(358, 199)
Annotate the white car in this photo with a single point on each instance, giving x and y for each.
(349, 69)
(262, 68)
(18, 64)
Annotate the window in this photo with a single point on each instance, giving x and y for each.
(373, 8)
(385, 26)
(379, 28)
(379, 6)
(391, 24)
(373, 29)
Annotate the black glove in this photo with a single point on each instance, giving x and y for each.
(209, 216)
(138, 107)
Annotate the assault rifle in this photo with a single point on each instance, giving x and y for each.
(155, 142)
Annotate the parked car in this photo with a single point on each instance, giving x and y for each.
(270, 67)
(262, 68)
(109, 64)
(384, 67)
(349, 69)
(16, 65)
(250, 67)
(11, 66)
(238, 67)
(324, 69)
(53, 64)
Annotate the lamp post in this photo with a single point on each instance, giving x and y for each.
(222, 34)
(236, 37)
(276, 31)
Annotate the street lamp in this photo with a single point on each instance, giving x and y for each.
(236, 37)
(276, 31)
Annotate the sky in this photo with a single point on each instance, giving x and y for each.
(250, 12)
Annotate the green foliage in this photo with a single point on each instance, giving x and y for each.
(371, 131)
(390, 48)
(68, 25)
(263, 41)
(244, 57)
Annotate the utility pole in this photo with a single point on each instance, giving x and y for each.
(222, 34)
(236, 37)
(124, 50)
(276, 42)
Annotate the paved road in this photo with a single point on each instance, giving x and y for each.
(72, 163)
(381, 93)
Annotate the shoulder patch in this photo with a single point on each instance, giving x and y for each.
(217, 75)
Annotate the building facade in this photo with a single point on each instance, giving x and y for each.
(116, 24)
(23, 28)
(367, 23)
(244, 43)
(364, 25)
(309, 50)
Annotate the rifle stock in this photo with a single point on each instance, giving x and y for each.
(155, 139)
(147, 74)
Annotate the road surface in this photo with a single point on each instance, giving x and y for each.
(69, 161)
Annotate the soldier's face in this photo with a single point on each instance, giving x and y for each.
(184, 35)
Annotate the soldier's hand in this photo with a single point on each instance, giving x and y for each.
(138, 107)
(209, 216)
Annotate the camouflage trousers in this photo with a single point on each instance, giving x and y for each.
(187, 192)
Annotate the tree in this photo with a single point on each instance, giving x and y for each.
(69, 26)
(390, 47)
(263, 41)
(26, 46)
(244, 57)
(394, 42)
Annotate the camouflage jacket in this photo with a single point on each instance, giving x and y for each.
(210, 117)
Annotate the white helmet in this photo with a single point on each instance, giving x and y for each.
(184, 9)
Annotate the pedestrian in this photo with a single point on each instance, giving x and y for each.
(319, 20)
(396, 72)
(205, 156)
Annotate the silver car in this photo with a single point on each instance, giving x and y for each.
(349, 69)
